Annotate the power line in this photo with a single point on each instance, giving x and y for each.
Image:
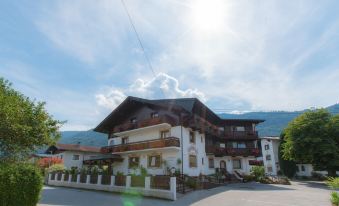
(140, 42)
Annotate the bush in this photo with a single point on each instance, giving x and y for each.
(335, 198)
(249, 178)
(333, 182)
(21, 184)
(56, 168)
(258, 172)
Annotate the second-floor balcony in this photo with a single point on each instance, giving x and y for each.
(144, 123)
(220, 151)
(240, 135)
(142, 145)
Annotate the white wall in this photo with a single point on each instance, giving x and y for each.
(67, 157)
(273, 152)
(142, 134)
(172, 154)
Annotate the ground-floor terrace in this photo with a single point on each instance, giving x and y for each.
(166, 161)
(244, 194)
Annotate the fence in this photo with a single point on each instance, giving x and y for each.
(155, 186)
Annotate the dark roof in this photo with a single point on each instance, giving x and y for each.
(189, 105)
(72, 147)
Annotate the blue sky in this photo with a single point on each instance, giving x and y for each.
(83, 58)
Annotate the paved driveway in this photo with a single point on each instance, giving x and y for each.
(248, 194)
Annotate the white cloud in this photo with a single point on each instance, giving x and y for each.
(255, 55)
(111, 99)
(161, 86)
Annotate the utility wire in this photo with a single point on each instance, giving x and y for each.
(140, 43)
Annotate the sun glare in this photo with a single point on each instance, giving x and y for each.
(208, 15)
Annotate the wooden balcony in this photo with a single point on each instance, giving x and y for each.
(142, 145)
(219, 151)
(145, 123)
(240, 135)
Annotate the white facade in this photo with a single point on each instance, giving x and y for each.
(74, 159)
(171, 155)
(270, 154)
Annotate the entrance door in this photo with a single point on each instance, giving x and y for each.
(222, 165)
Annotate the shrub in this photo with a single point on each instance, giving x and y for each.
(192, 183)
(249, 178)
(258, 172)
(333, 182)
(21, 184)
(335, 198)
(56, 168)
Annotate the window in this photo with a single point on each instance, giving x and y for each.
(267, 147)
(268, 157)
(202, 139)
(202, 161)
(61, 156)
(154, 115)
(111, 142)
(239, 129)
(192, 137)
(154, 161)
(303, 168)
(165, 134)
(124, 140)
(222, 145)
(210, 163)
(269, 169)
(133, 162)
(193, 161)
(241, 145)
(76, 157)
(237, 164)
(133, 120)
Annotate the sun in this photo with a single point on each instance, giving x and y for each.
(208, 15)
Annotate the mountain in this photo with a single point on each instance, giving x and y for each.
(275, 122)
(86, 138)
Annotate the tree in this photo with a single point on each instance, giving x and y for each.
(313, 138)
(24, 124)
(288, 167)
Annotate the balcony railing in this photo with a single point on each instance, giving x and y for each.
(236, 135)
(149, 144)
(219, 151)
(145, 123)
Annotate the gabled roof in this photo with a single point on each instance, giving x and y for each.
(72, 147)
(188, 105)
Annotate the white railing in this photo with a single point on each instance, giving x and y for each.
(113, 187)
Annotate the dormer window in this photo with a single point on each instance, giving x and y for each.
(154, 115)
(133, 120)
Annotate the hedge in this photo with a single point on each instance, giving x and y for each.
(20, 184)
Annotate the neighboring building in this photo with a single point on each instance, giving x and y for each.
(73, 155)
(270, 154)
(177, 134)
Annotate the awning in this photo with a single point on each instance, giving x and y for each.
(103, 160)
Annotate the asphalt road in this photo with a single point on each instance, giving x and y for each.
(242, 194)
